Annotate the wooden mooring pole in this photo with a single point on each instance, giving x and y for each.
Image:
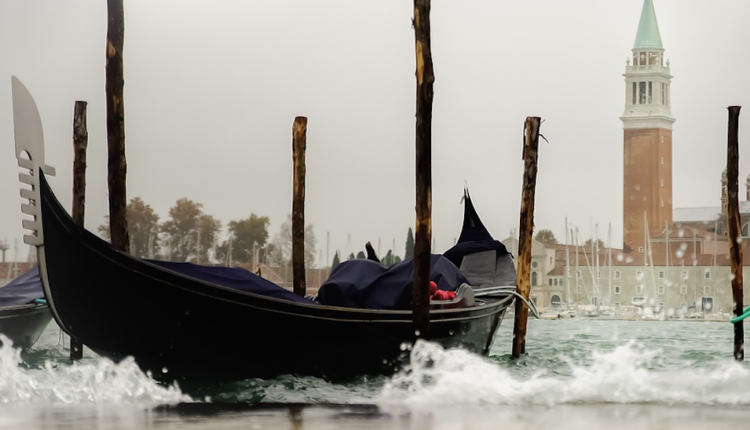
(526, 229)
(733, 221)
(299, 145)
(423, 237)
(116, 163)
(80, 143)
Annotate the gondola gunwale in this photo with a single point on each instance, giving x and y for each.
(99, 247)
(14, 311)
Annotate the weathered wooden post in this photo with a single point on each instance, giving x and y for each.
(299, 145)
(423, 238)
(80, 143)
(116, 164)
(526, 229)
(733, 221)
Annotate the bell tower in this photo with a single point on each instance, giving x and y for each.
(647, 124)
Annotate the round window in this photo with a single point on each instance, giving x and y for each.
(534, 264)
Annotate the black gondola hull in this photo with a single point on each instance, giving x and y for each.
(23, 324)
(180, 327)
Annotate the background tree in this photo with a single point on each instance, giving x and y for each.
(143, 228)
(390, 258)
(243, 234)
(409, 252)
(599, 243)
(336, 260)
(282, 241)
(351, 257)
(546, 237)
(361, 255)
(186, 223)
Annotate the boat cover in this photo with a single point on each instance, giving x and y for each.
(474, 236)
(235, 278)
(368, 284)
(23, 290)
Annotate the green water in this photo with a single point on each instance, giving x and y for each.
(579, 373)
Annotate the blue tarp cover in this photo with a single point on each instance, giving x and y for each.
(232, 277)
(370, 285)
(22, 290)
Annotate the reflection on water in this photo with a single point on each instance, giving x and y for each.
(332, 417)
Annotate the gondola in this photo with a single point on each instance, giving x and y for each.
(188, 322)
(23, 312)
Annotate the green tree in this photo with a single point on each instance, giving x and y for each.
(351, 257)
(189, 233)
(599, 243)
(245, 235)
(336, 260)
(143, 227)
(361, 255)
(390, 259)
(546, 237)
(409, 252)
(282, 241)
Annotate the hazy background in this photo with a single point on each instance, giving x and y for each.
(212, 89)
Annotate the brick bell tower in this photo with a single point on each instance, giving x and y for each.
(647, 124)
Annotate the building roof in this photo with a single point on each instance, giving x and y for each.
(648, 36)
(710, 214)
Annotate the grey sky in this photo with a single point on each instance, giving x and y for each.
(212, 88)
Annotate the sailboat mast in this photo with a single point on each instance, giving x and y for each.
(575, 239)
(567, 264)
(609, 260)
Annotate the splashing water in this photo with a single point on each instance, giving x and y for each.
(97, 381)
(624, 375)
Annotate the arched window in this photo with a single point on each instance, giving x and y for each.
(534, 279)
(555, 300)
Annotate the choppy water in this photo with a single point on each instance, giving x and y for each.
(588, 370)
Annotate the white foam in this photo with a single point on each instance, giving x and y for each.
(457, 377)
(94, 381)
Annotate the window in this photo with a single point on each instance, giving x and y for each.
(618, 289)
(663, 94)
(684, 274)
(578, 290)
(640, 250)
(578, 274)
(642, 93)
(639, 274)
(662, 158)
(534, 279)
(534, 264)
(707, 274)
(649, 92)
(706, 290)
(617, 303)
(661, 289)
(639, 289)
(598, 274)
(637, 300)
(661, 274)
(635, 93)
(662, 180)
(617, 274)
(683, 289)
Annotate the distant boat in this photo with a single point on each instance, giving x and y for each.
(23, 312)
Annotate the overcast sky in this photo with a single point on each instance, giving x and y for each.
(212, 89)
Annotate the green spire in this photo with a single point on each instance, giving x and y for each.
(648, 36)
